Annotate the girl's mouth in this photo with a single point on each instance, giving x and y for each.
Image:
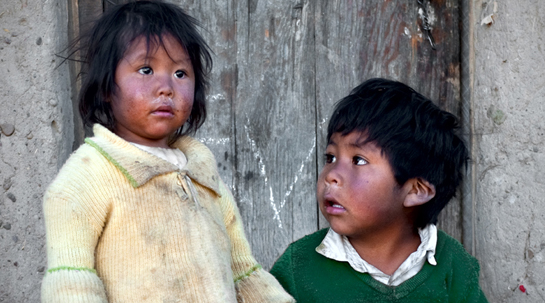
(164, 111)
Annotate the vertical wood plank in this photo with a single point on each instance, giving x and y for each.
(217, 18)
(358, 40)
(89, 11)
(75, 68)
(275, 123)
(81, 14)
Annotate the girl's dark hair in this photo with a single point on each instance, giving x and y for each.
(418, 138)
(107, 41)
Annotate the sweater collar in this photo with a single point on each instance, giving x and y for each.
(139, 166)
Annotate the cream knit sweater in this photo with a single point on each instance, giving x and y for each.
(123, 225)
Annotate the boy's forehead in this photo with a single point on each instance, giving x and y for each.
(355, 138)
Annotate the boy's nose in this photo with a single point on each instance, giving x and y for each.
(333, 176)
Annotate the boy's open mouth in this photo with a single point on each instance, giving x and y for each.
(334, 208)
(334, 204)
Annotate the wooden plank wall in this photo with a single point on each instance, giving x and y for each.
(280, 65)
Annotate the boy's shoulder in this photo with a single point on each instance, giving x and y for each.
(452, 257)
(302, 252)
(451, 249)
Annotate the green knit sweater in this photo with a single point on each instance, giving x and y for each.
(311, 277)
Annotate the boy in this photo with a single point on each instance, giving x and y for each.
(393, 161)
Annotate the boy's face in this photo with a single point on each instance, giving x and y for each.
(357, 192)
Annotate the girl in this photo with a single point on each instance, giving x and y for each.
(139, 213)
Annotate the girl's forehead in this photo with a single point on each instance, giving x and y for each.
(143, 46)
(151, 43)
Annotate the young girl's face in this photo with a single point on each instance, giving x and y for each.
(154, 91)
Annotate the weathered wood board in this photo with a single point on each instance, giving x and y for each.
(279, 67)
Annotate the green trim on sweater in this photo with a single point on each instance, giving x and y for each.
(52, 270)
(125, 173)
(311, 277)
(248, 273)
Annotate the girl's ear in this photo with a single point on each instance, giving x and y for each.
(421, 191)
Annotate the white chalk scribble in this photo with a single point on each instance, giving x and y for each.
(263, 173)
(215, 141)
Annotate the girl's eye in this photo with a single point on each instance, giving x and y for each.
(359, 160)
(146, 70)
(179, 74)
(329, 158)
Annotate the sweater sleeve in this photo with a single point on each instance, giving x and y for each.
(73, 226)
(252, 283)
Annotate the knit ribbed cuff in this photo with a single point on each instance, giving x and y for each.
(73, 286)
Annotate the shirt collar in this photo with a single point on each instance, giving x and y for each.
(139, 166)
(339, 248)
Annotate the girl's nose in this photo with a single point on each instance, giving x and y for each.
(164, 86)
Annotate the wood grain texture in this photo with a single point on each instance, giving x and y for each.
(89, 11)
(275, 124)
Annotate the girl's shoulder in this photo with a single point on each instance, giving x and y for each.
(85, 159)
(84, 168)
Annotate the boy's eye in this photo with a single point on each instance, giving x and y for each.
(329, 158)
(145, 70)
(359, 160)
(179, 74)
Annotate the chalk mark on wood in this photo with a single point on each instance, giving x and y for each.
(263, 172)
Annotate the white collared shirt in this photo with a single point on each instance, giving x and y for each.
(339, 248)
(172, 155)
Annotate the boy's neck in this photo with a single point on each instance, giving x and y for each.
(387, 250)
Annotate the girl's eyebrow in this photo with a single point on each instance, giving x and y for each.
(183, 59)
(140, 56)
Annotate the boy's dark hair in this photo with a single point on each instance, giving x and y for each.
(418, 138)
(107, 41)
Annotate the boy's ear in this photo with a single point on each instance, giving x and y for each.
(420, 192)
